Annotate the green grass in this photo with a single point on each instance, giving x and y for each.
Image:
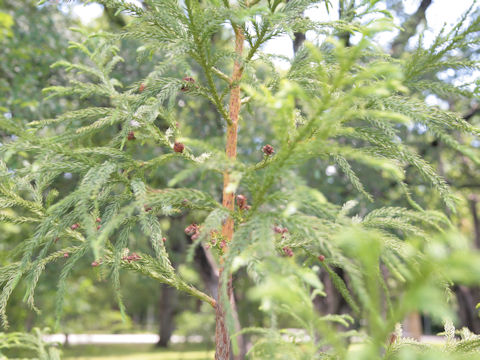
(138, 352)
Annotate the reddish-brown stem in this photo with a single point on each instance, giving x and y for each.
(231, 146)
(222, 340)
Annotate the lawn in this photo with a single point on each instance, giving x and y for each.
(138, 352)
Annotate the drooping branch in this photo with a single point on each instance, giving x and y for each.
(148, 266)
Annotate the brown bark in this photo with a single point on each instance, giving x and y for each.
(298, 40)
(345, 13)
(413, 325)
(467, 299)
(208, 270)
(333, 303)
(473, 200)
(475, 110)
(409, 28)
(242, 346)
(209, 273)
(222, 340)
(231, 146)
(168, 299)
(116, 21)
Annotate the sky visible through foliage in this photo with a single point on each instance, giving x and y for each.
(440, 12)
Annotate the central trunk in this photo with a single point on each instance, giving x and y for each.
(222, 338)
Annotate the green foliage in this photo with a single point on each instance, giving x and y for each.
(465, 347)
(196, 323)
(338, 102)
(33, 343)
(23, 40)
(288, 293)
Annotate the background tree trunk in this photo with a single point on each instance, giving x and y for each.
(208, 270)
(168, 299)
(409, 28)
(473, 200)
(467, 299)
(412, 326)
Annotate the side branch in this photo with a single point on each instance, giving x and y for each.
(156, 274)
